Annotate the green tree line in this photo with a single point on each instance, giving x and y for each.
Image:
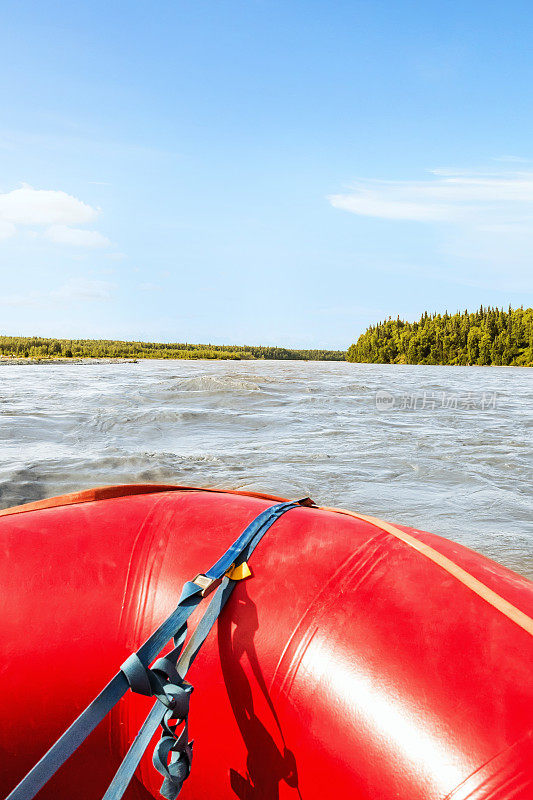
(485, 337)
(38, 347)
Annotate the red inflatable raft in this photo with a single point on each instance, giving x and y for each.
(362, 660)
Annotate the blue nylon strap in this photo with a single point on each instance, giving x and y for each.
(125, 772)
(190, 598)
(260, 524)
(80, 729)
(254, 533)
(71, 739)
(132, 758)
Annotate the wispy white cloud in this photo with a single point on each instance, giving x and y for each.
(483, 221)
(449, 196)
(55, 211)
(76, 237)
(74, 290)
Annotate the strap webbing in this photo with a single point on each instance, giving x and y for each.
(132, 758)
(174, 626)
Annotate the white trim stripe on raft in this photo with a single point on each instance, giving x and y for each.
(493, 598)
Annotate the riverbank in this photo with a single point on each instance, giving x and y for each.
(37, 348)
(15, 361)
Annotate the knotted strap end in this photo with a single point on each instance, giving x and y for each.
(137, 675)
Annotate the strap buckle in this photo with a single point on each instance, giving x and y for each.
(306, 502)
(207, 584)
(236, 573)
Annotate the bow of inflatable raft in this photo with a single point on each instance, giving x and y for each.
(361, 660)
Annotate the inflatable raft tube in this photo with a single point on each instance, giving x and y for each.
(361, 660)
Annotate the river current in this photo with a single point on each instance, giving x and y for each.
(446, 449)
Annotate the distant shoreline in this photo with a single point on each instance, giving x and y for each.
(36, 349)
(19, 361)
(4, 361)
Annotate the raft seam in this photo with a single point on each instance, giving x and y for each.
(315, 609)
(134, 557)
(478, 587)
(487, 763)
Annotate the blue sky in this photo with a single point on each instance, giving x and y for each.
(261, 172)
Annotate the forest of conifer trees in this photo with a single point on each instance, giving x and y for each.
(490, 336)
(35, 347)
